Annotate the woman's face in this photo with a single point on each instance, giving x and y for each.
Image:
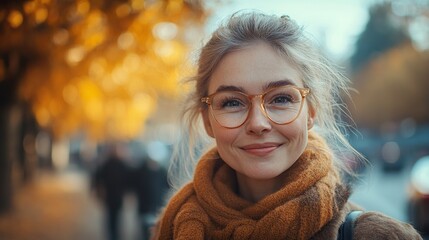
(258, 149)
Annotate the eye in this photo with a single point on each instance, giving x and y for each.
(231, 103)
(282, 99)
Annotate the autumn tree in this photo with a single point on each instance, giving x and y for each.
(97, 66)
(390, 65)
(383, 31)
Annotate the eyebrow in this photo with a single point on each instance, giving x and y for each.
(279, 83)
(223, 88)
(269, 85)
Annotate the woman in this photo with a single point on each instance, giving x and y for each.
(261, 90)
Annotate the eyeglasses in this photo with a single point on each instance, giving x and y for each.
(282, 105)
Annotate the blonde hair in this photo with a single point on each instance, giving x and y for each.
(327, 84)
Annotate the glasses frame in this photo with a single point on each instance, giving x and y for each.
(303, 91)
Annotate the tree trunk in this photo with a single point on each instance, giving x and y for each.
(5, 161)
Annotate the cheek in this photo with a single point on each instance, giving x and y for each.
(223, 136)
(296, 128)
(294, 136)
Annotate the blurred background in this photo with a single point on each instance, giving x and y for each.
(90, 90)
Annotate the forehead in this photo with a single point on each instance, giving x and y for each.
(253, 67)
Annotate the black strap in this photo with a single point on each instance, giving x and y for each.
(345, 232)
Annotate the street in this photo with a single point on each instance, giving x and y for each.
(385, 192)
(60, 206)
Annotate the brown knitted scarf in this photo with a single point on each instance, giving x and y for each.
(209, 208)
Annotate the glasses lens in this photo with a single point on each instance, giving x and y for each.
(230, 108)
(283, 104)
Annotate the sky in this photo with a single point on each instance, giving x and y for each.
(335, 24)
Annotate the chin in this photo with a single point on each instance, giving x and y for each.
(263, 175)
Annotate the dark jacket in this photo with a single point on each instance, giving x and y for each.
(368, 226)
(150, 185)
(111, 181)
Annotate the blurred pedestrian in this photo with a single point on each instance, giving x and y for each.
(269, 100)
(111, 181)
(151, 186)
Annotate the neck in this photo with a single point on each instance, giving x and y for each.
(254, 190)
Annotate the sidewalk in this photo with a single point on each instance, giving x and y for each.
(60, 206)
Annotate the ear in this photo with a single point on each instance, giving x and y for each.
(311, 117)
(207, 124)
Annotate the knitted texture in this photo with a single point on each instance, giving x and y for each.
(209, 208)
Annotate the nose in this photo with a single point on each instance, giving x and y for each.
(257, 123)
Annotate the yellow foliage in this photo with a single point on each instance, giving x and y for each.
(109, 66)
(15, 19)
(41, 15)
(392, 88)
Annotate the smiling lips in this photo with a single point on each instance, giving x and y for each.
(261, 149)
